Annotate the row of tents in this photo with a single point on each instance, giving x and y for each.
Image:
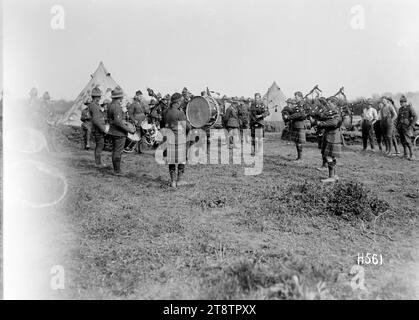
(274, 97)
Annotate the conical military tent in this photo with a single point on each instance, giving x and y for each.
(101, 78)
(274, 98)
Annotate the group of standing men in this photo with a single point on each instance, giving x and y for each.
(386, 121)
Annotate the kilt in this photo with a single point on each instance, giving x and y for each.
(176, 153)
(332, 150)
(298, 136)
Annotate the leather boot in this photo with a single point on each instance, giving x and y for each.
(117, 167)
(411, 156)
(98, 162)
(331, 178)
(324, 166)
(404, 152)
(180, 179)
(299, 155)
(173, 179)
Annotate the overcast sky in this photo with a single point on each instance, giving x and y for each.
(234, 47)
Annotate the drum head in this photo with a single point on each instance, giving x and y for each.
(134, 137)
(198, 112)
(145, 125)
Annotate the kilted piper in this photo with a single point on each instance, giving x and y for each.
(331, 122)
(297, 116)
(175, 120)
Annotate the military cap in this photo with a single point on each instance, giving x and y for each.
(88, 101)
(138, 93)
(403, 98)
(176, 97)
(185, 90)
(117, 93)
(96, 92)
(298, 94)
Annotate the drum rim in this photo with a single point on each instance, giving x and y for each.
(209, 125)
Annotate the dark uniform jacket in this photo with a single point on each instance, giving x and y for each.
(297, 117)
(286, 113)
(98, 117)
(244, 116)
(118, 126)
(231, 117)
(407, 118)
(172, 117)
(137, 112)
(332, 129)
(257, 114)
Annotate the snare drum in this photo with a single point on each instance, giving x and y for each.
(145, 125)
(134, 137)
(202, 112)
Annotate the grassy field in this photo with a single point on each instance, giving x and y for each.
(277, 235)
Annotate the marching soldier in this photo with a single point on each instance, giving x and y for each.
(258, 111)
(232, 122)
(175, 120)
(100, 126)
(86, 119)
(118, 129)
(330, 121)
(405, 125)
(297, 126)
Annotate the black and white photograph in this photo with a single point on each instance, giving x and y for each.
(207, 150)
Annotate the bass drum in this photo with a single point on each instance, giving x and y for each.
(202, 112)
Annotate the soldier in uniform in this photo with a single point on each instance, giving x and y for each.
(137, 111)
(100, 126)
(297, 116)
(232, 122)
(318, 113)
(175, 120)
(406, 121)
(136, 115)
(286, 111)
(244, 118)
(186, 95)
(258, 111)
(330, 120)
(86, 121)
(118, 129)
